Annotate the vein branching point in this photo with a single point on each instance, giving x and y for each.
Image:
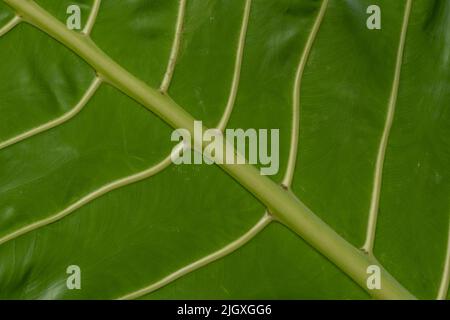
(285, 207)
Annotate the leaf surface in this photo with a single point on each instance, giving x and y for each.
(147, 237)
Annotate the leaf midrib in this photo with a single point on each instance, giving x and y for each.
(155, 169)
(284, 205)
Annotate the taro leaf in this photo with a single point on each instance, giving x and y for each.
(84, 176)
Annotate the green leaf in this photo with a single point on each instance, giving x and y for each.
(85, 177)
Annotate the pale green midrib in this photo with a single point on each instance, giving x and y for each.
(283, 205)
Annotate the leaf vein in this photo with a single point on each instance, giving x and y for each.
(92, 17)
(295, 131)
(216, 255)
(10, 25)
(89, 93)
(445, 280)
(287, 208)
(175, 48)
(378, 175)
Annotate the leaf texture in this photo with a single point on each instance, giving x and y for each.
(95, 188)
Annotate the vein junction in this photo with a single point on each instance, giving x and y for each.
(288, 209)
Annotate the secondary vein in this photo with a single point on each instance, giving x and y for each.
(445, 280)
(237, 68)
(378, 176)
(10, 25)
(95, 84)
(93, 195)
(92, 17)
(221, 126)
(216, 255)
(287, 180)
(175, 48)
(286, 207)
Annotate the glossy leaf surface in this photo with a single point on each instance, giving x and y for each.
(132, 237)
